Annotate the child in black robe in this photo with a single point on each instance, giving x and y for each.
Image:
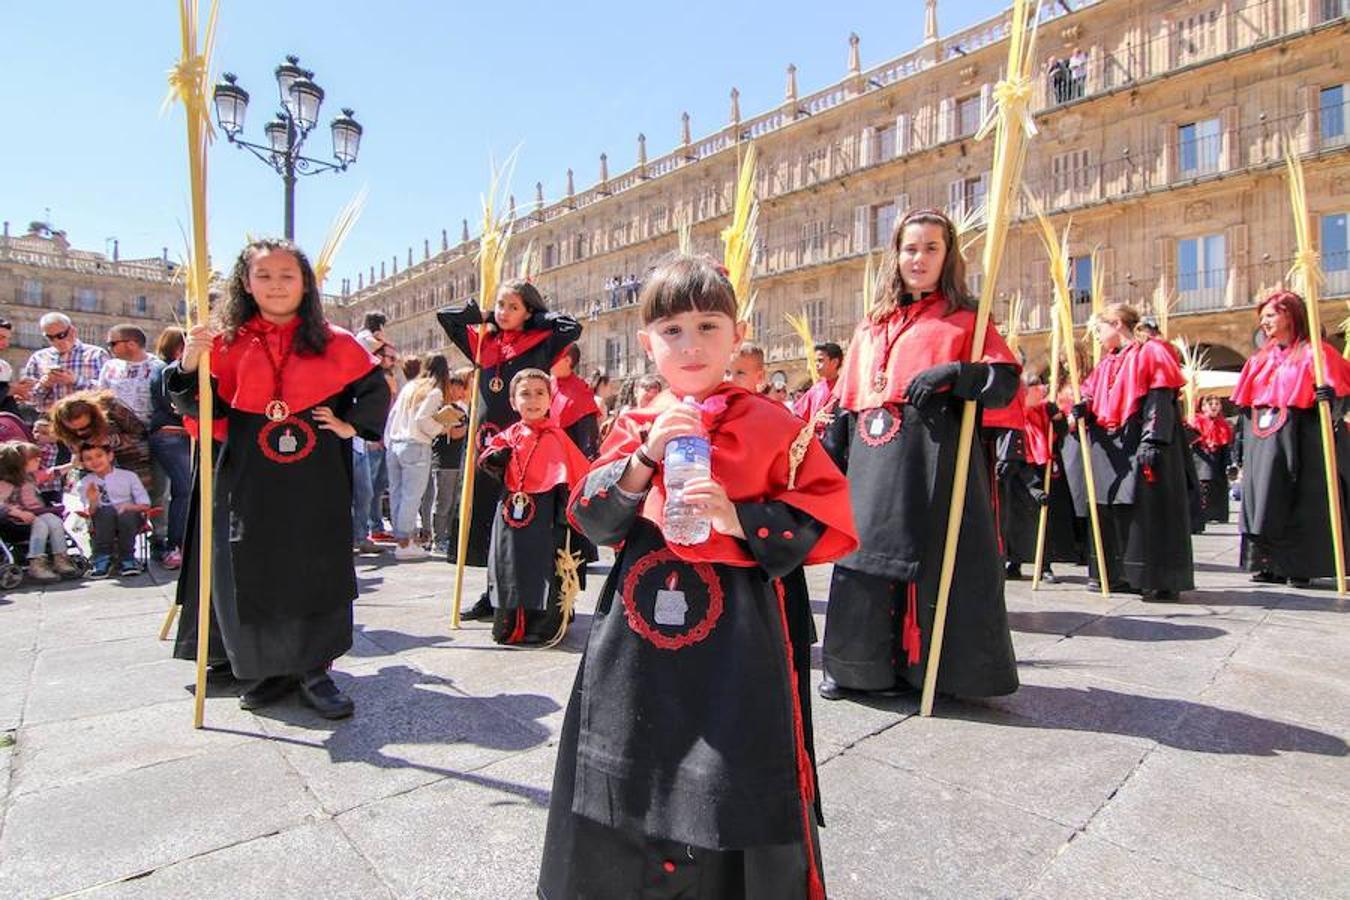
(685, 765)
(537, 465)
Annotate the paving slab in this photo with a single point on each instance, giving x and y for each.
(112, 828)
(1092, 869)
(90, 679)
(314, 860)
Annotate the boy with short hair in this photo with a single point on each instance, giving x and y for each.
(685, 763)
(116, 502)
(747, 367)
(538, 464)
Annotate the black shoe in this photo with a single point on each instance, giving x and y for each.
(323, 696)
(266, 691)
(481, 610)
(899, 689)
(1160, 597)
(1300, 582)
(829, 689)
(1048, 577)
(1014, 572)
(1265, 576)
(1117, 587)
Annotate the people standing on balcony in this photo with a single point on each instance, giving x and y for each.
(1212, 449)
(1078, 71)
(686, 763)
(521, 333)
(905, 377)
(630, 288)
(1058, 71)
(1285, 525)
(291, 391)
(1140, 460)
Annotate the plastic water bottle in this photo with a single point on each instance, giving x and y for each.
(686, 458)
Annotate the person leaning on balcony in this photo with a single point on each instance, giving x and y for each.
(1140, 460)
(1286, 529)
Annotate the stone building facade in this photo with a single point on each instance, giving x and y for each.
(1161, 137)
(41, 272)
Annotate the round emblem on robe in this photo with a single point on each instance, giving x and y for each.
(288, 440)
(670, 603)
(880, 425)
(1266, 420)
(518, 509)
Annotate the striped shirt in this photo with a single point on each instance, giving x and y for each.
(84, 361)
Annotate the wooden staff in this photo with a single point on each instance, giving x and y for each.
(1307, 272)
(1012, 127)
(491, 258)
(187, 83)
(1043, 520)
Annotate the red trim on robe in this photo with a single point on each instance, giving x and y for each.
(1116, 387)
(555, 461)
(751, 436)
(504, 346)
(920, 337)
(1283, 376)
(572, 401)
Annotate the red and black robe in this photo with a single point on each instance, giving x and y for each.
(1144, 510)
(1286, 528)
(686, 753)
(1212, 451)
(536, 346)
(282, 577)
(901, 460)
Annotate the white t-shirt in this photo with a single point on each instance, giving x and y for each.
(130, 382)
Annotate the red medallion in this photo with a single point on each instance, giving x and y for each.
(1266, 420)
(517, 509)
(686, 592)
(288, 440)
(880, 425)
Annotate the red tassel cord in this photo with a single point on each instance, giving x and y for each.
(910, 639)
(806, 786)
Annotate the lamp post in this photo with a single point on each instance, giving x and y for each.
(287, 131)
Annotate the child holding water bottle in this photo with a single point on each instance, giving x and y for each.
(685, 764)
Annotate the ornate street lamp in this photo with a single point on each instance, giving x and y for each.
(301, 100)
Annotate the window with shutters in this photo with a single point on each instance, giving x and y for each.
(1199, 146)
(967, 115)
(1334, 9)
(140, 305)
(657, 219)
(965, 200)
(1071, 171)
(885, 144)
(1336, 254)
(1331, 115)
(1202, 272)
(812, 241)
(32, 292)
(815, 317)
(613, 354)
(86, 299)
(883, 223)
(1080, 284)
(1196, 36)
(578, 248)
(757, 320)
(550, 255)
(815, 165)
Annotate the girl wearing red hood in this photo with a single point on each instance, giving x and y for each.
(1139, 460)
(1212, 448)
(291, 391)
(1286, 530)
(905, 377)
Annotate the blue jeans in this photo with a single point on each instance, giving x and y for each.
(173, 452)
(409, 468)
(360, 497)
(379, 481)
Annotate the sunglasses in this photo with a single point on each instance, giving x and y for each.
(112, 344)
(59, 336)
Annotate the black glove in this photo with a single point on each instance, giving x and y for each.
(928, 382)
(1149, 455)
(1039, 496)
(1052, 409)
(1325, 393)
(1081, 411)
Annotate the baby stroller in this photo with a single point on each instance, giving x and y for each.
(14, 552)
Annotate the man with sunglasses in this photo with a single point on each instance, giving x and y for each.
(65, 366)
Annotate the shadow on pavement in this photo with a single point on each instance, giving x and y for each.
(1182, 724)
(1124, 628)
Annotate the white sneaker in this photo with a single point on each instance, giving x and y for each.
(412, 551)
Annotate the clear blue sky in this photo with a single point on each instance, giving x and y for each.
(438, 86)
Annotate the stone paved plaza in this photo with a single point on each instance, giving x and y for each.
(1196, 750)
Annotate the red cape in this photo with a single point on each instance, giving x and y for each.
(816, 399)
(1212, 433)
(504, 346)
(1036, 434)
(750, 437)
(1013, 416)
(548, 454)
(1116, 388)
(572, 401)
(245, 379)
(920, 337)
(1283, 376)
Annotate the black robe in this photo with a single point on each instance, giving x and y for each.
(1211, 473)
(494, 410)
(1285, 524)
(901, 490)
(679, 762)
(1019, 487)
(1146, 521)
(282, 576)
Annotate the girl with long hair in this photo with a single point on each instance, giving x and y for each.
(408, 434)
